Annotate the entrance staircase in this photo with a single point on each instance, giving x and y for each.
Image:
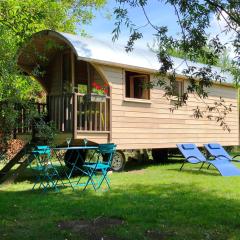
(19, 162)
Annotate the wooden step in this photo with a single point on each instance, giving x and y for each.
(10, 177)
(17, 159)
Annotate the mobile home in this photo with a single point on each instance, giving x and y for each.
(131, 116)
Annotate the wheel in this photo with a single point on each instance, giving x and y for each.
(71, 156)
(118, 161)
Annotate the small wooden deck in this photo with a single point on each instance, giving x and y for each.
(82, 119)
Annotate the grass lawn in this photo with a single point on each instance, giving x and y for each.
(154, 202)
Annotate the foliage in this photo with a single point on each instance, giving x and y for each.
(46, 131)
(23, 18)
(98, 89)
(155, 202)
(82, 88)
(223, 61)
(193, 42)
(10, 117)
(13, 86)
(8, 120)
(18, 21)
(180, 54)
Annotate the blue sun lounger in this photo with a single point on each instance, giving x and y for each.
(217, 151)
(222, 159)
(193, 155)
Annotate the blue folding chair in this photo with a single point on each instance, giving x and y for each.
(46, 174)
(222, 159)
(100, 167)
(191, 154)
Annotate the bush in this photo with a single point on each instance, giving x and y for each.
(45, 132)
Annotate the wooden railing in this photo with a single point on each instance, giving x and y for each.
(91, 116)
(72, 114)
(60, 110)
(25, 116)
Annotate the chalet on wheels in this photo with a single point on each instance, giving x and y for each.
(72, 69)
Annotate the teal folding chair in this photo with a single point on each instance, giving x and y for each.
(46, 174)
(97, 172)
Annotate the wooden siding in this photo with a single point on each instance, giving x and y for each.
(55, 75)
(137, 125)
(98, 137)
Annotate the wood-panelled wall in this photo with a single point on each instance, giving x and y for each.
(137, 125)
(55, 75)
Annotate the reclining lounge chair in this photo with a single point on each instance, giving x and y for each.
(217, 151)
(222, 159)
(193, 155)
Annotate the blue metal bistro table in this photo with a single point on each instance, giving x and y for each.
(72, 167)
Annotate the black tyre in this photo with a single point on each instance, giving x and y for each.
(74, 155)
(118, 161)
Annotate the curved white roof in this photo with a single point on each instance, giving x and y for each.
(109, 53)
(95, 50)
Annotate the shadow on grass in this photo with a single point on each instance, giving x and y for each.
(131, 166)
(197, 171)
(176, 211)
(30, 174)
(134, 164)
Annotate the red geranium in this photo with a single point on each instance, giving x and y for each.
(94, 84)
(97, 88)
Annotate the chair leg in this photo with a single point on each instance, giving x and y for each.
(93, 184)
(90, 179)
(201, 166)
(62, 183)
(45, 182)
(52, 184)
(36, 182)
(104, 177)
(79, 180)
(58, 178)
(86, 172)
(209, 166)
(34, 186)
(182, 165)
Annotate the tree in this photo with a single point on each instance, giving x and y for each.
(193, 44)
(18, 21)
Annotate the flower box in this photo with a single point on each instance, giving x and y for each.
(94, 97)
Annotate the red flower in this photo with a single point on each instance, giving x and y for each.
(94, 84)
(99, 89)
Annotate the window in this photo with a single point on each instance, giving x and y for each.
(178, 89)
(136, 85)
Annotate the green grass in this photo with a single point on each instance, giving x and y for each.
(190, 204)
